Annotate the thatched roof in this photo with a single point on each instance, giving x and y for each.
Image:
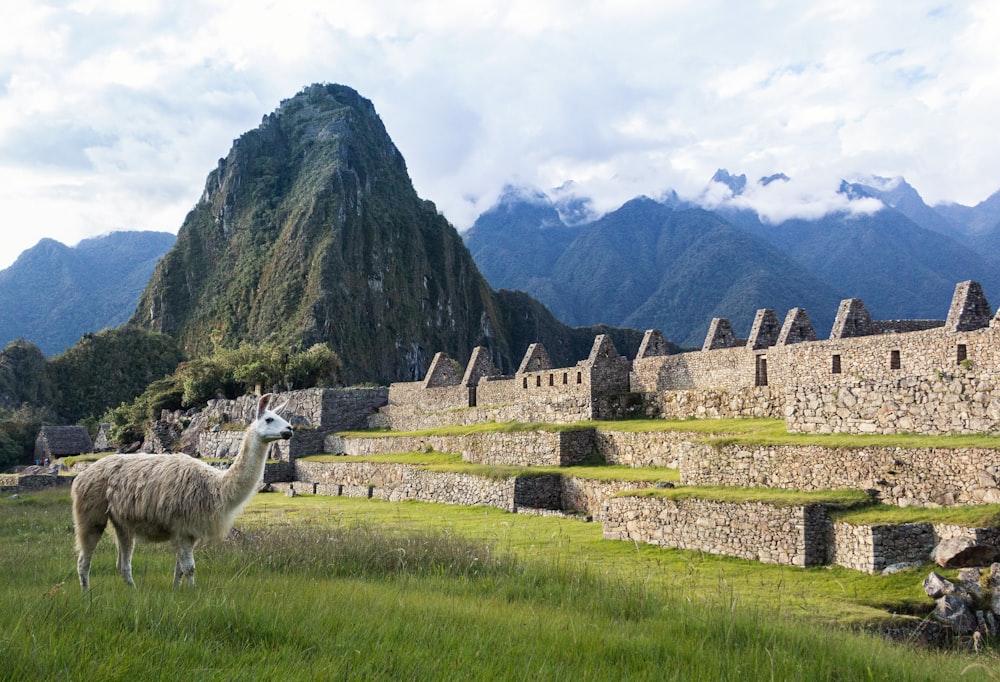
(59, 441)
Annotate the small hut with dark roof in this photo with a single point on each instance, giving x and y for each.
(61, 441)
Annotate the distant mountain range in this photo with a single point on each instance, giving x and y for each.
(310, 231)
(53, 294)
(670, 265)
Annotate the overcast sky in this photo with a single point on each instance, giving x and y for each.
(112, 112)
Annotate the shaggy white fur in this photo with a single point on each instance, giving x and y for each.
(169, 497)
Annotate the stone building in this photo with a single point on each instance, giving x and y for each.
(62, 441)
(869, 376)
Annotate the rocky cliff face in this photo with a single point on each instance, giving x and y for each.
(310, 231)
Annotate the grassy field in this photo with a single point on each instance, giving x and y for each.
(318, 588)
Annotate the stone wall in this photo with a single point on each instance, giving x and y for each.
(925, 382)
(717, 403)
(644, 448)
(723, 367)
(515, 448)
(397, 482)
(225, 444)
(873, 548)
(589, 496)
(16, 483)
(391, 481)
(414, 395)
(796, 535)
(900, 476)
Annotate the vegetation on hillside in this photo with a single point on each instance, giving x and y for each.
(126, 376)
(227, 373)
(102, 370)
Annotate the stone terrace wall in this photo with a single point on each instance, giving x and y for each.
(588, 496)
(517, 448)
(900, 476)
(797, 535)
(873, 548)
(397, 482)
(644, 448)
(35, 482)
(939, 404)
(534, 448)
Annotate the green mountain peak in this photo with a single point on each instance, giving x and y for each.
(310, 231)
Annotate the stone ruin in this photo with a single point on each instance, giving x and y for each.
(869, 376)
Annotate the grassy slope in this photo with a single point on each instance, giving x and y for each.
(322, 588)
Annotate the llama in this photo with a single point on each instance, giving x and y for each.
(169, 497)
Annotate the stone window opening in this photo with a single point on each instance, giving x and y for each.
(565, 378)
(472, 396)
(552, 380)
(760, 371)
(835, 366)
(524, 382)
(538, 380)
(894, 362)
(961, 354)
(579, 377)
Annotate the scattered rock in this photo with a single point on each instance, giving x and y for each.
(954, 611)
(898, 567)
(962, 552)
(936, 586)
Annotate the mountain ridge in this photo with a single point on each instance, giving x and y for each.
(54, 293)
(903, 260)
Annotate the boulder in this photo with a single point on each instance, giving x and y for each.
(935, 586)
(955, 612)
(963, 552)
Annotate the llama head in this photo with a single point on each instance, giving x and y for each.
(268, 424)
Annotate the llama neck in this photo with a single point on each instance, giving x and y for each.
(240, 481)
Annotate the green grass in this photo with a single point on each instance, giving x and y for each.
(749, 432)
(979, 516)
(412, 458)
(463, 430)
(779, 497)
(337, 588)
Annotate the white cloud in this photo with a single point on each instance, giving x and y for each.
(112, 114)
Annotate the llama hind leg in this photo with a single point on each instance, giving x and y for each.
(184, 566)
(126, 544)
(86, 541)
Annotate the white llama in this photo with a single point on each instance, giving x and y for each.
(169, 497)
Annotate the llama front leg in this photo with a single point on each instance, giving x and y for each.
(184, 566)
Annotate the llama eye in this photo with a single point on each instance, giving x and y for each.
(269, 420)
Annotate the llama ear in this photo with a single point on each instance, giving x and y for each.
(262, 405)
(280, 408)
